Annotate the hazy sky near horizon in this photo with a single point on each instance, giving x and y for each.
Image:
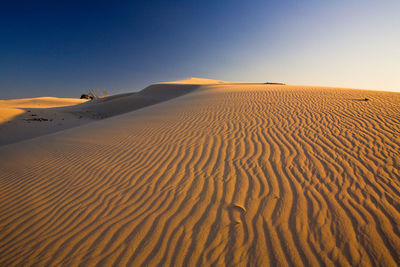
(63, 48)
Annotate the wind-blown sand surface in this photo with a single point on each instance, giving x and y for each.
(225, 174)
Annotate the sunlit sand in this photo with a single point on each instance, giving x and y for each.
(202, 172)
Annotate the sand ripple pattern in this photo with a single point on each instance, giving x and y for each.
(236, 175)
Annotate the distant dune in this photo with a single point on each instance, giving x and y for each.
(10, 108)
(26, 118)
(202, 172)
(194, 80)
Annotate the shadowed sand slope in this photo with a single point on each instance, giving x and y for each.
(14, 107)
(119, 104)
(23, 119)
(26, 118)
(237, 175)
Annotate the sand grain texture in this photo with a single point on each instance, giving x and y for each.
(235, 175)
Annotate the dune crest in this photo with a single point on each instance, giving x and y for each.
(194, 80)
(224, 174)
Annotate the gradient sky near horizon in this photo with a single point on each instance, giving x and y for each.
(63, 48)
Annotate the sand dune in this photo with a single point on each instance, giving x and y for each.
(10, 108)
(22, 119)
(123, 103)
(222, 174)
(26, 118)
(194, 80)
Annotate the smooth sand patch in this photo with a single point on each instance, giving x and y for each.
(27, 118)
(9, 109)
(228, 175)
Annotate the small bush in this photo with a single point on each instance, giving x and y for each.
(96, 93)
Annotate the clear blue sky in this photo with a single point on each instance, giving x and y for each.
(63, 48)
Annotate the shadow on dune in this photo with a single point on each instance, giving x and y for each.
(122, 103)
(36, 122)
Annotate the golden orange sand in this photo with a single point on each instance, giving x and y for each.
(224, 175)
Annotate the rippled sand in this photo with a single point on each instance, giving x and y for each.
(226, 174)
